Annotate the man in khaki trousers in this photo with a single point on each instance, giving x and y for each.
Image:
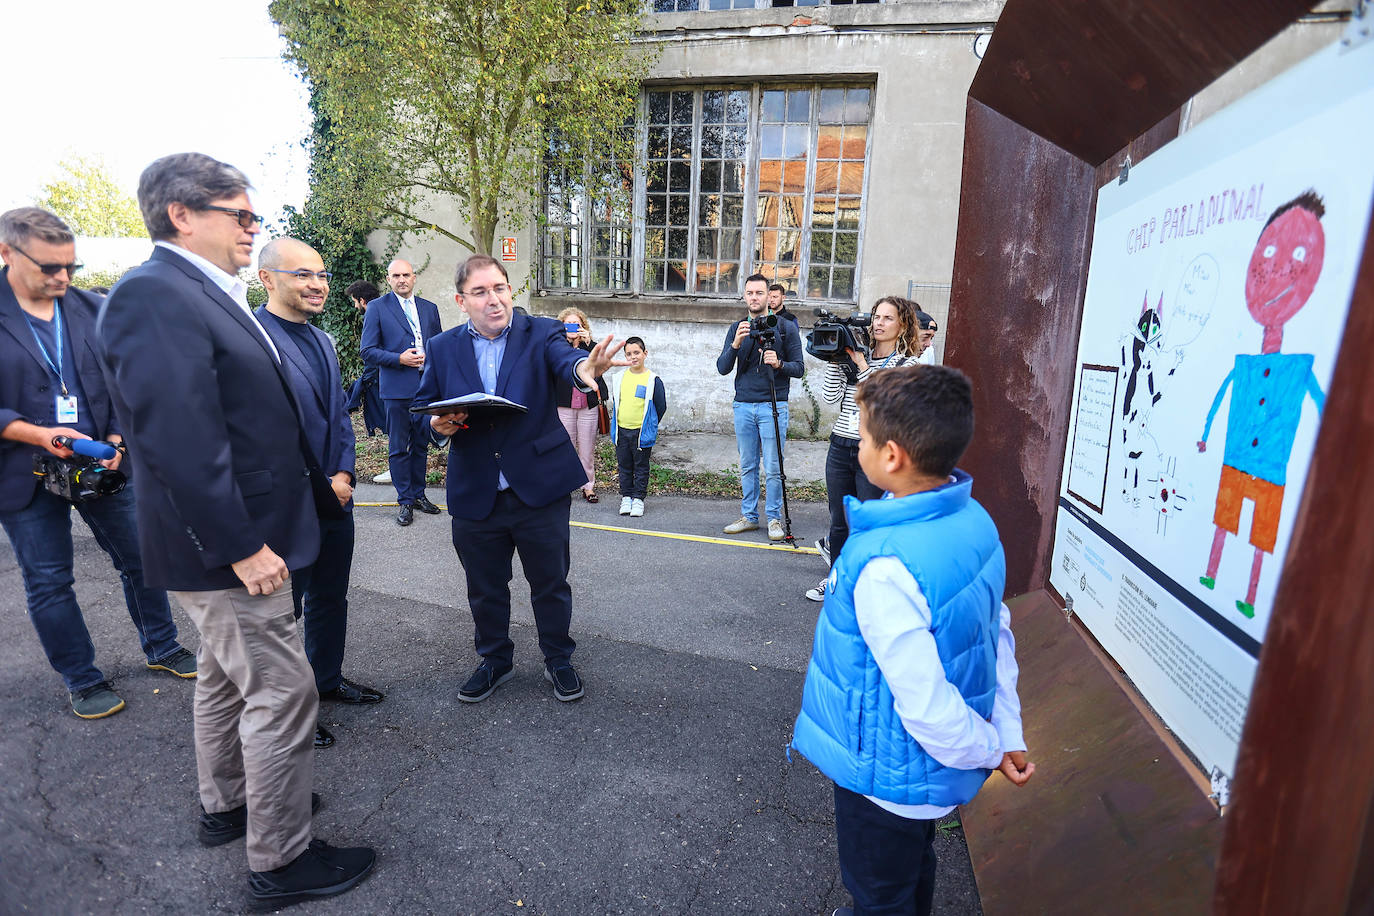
(228, 508)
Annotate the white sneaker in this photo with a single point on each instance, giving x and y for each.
(626, 504)
(817, 593)
(742, 524)
(823, 548)
(637, 508)
(384, 477)
(775, 532)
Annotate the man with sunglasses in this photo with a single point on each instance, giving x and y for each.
(51, 386)
(228, 509)
(396, 332)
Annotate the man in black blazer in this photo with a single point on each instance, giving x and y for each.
(509, 474)
(227, 512)
(297, 286)
(396, 331)
(51, 385)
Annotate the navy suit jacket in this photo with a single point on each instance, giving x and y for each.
(532, 449)
(27, 385)
(213, 429)
(324, 417)
(387, 334)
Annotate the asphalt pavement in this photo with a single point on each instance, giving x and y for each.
(665, 790)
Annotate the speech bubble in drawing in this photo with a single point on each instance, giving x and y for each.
(1186, 315)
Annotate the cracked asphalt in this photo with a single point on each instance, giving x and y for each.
(665, 790)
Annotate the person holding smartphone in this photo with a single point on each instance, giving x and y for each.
(578, 410)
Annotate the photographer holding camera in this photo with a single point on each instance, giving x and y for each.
(53, 397)
(894, 341)
(752, 349)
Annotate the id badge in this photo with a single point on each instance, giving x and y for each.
(66, 409)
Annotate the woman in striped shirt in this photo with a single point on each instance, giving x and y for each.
(895, 341)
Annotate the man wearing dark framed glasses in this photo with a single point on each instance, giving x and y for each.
(50, 386)
(232, 508)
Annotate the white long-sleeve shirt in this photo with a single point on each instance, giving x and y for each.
(837, 390)
(894, 618)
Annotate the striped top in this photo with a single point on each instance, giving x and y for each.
(836, 390)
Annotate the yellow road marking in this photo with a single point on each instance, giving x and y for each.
(655, 534)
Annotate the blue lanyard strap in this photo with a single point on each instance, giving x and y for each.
(56, 367)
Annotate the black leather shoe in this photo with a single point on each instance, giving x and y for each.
(323, 736)
(483, 681)
(349, 692)
(321, 871)
(566, 684)
(424, 505)
(405, 515)
(224, 826)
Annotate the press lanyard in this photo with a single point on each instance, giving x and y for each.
(57, 328)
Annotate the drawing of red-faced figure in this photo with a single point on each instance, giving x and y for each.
(1269, 388)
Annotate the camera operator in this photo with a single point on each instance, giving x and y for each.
(51, 386)
(752, 348)
(894, 338)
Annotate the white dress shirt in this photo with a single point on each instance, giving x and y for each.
(894, 618)
(233, 287)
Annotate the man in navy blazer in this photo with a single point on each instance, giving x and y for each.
(510, 473)
(396, 331)
(228, 509)
(51, 385)
(297, 286)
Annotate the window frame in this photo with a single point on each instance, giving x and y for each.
(749, 191)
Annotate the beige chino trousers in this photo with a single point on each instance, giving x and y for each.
(255, 713)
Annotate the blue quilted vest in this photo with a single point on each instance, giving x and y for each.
(848, 725)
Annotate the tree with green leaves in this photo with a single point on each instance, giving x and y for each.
(441, 102)
(89, 200)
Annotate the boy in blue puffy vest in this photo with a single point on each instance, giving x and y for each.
(910, 697)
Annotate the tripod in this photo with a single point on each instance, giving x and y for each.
(787, 537)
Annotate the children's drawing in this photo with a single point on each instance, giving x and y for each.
(1143, 376)
(1268, 392)
(1168, 495)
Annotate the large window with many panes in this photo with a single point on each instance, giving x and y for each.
(727, 181)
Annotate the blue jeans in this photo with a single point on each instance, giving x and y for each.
(754, 436)
(41, 535)
(887, 861)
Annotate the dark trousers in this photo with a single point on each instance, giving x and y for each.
(485, 548)
(320, 591)
(408, 436)
(632, 462)
(844, 477)
(41, 535)
(887, 861)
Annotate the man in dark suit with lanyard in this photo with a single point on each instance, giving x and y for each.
(509, 474)
(226, 513)
(297, 286)
(50, 386)
(396, 331)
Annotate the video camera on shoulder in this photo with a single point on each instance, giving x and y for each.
(833, 335)
(81, 477)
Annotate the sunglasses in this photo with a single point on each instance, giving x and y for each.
(246, 218)
(51, 270)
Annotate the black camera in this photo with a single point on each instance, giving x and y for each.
(80, 477)
(832, 336)
(764, 328)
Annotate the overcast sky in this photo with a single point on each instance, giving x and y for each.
(133, 81)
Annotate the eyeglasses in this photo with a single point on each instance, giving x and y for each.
(482, 292)
(51, 270)
(305, 276)
(246, 218)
